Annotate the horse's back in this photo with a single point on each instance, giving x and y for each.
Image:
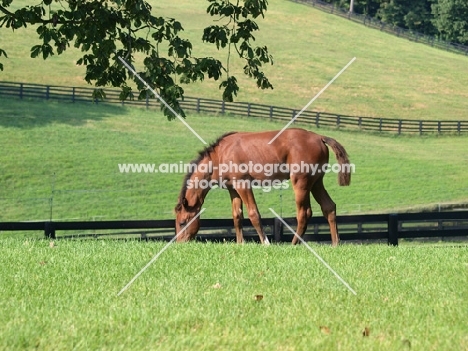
(262, 139)
(292, 145)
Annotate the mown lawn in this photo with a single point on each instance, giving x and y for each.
(70, 153)
(196, 296)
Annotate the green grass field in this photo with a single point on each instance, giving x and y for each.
(73, 150)
(60, 161)
(391, 77)
(203, 297)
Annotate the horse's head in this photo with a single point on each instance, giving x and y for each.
(184, 214)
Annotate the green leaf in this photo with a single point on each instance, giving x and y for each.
(47, 51)
(36, 50)
(230, 89)
(126, 93)
(217, 35)
(99, 94)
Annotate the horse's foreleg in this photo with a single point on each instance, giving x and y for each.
(237, 214)
(254, 215)
(303, 209)
(328, 209)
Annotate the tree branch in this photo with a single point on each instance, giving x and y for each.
(6, 12)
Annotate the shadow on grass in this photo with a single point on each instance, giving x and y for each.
(29, 113)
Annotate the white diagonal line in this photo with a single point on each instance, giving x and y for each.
(160, 98)
(313, 99)
(159, 253)
(313, 251)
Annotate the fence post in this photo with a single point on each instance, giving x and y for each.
(147, 99)
(399, 126)
(73, 94)
(47, 94)
(380, 125)
(271, 113)
(21, 91)
(439, 127)
(338, 121)
(459, 127)
(248, 110)
(49, 230)
(198, 105)
(278, 230)
(293, 114)
(420, 127)
(360, 122)
(317, 119)
(393, 229)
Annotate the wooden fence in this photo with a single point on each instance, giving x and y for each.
(388, 28)
(272, 113)
(387, 227)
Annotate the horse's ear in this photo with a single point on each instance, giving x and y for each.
(183, 203)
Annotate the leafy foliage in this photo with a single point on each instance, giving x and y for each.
(415, 15)
(237, 31)
(106, 30)
(447, 19)
(451, 19)
(2, 52)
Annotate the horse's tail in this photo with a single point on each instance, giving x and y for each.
(344, 175)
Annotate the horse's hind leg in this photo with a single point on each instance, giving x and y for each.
(303, 209)
(328, 208)
(237, 214)
(248, 198)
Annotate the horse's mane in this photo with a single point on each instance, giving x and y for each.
(201, 155)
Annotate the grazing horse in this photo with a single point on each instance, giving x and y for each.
(235, 161)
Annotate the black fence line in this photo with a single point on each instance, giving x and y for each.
(200, 105)
(388, 28)
(389, 227)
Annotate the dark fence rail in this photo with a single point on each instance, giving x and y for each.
(388, 227)
(388, 28)
(310, 118)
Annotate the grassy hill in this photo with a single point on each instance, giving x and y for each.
(61, 160)
(391, 77)
(71, 152)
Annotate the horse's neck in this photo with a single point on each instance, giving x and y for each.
(198, 188)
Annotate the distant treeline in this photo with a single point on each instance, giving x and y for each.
(445, 19)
